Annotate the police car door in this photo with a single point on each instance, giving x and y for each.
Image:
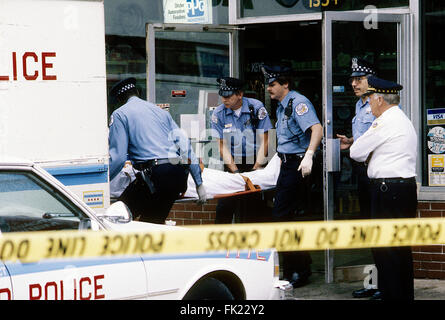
(181, 77)
(5, 283)
(31, 202)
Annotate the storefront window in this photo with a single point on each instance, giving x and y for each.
(256, 8)
(433, 110)
(128, 18)
(125, 23)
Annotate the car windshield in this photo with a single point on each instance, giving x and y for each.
(27, 203)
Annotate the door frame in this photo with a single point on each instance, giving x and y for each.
(331, 152)
(150, 30)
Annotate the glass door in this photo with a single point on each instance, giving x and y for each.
(378, 39)
(183, 63)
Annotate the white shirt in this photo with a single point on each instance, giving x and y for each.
(391, 145)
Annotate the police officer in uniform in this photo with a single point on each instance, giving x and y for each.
(299, 134)
(363, 119)
(390, 149)
(148, 136)
(241, 126)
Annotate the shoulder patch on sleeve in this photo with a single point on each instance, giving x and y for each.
(111, 120)
(262, 113)
(301, 109)
(214, 118)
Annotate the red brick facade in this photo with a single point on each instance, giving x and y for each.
(429, 261)
(191, 213)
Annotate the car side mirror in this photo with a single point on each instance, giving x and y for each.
(118, 212)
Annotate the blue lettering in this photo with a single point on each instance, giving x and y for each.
(195, 8)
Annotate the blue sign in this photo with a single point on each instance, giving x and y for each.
(195, 8)
(435, 116)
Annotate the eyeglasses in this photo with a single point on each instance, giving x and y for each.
(356, 79)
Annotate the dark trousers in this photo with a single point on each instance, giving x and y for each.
(395, 276)
(363, 189)
(289, 196)
(226, 207)
(169, 181)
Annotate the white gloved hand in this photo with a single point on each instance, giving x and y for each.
(202, 194)
(306, 163)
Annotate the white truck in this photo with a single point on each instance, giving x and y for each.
(53, 99)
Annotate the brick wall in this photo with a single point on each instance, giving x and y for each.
(189, 212)
(429, 261)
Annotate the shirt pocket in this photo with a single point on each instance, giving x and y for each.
(290, 128)
(367, 118)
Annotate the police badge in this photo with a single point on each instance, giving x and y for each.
(262, 113)
(301, 109)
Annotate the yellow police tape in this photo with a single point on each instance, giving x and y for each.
(289, 236)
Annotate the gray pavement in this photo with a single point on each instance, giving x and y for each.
(317, 289)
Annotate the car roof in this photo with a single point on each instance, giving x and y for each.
(14, 161)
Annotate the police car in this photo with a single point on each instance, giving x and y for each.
(33, 200)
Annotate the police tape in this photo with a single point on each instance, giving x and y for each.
(288, 236)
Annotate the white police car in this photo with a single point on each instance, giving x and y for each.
(33, 200)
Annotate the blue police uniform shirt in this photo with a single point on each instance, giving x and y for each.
(140, 131)
(363, 118)
(227, 124)
(291, 131)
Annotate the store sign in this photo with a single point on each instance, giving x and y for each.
(435, 116)
(436, 140)
(436, 170)
(188, 11)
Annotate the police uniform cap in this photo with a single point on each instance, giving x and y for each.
(361, 67)
(122, 86)
(228, 86)
(377, 85)
(272, 73)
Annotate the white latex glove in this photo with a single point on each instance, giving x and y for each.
(306, 163)
(202, 194)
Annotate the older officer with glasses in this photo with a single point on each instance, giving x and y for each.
(390, 149)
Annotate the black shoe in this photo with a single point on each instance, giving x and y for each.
(377, 296)
(364, 293)
(300, 279)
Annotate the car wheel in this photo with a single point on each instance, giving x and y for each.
(209, 289)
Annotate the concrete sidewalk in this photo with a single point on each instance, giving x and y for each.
(317, 289)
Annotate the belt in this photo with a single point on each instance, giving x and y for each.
(156, 162)
(290, 156)
(393, 180)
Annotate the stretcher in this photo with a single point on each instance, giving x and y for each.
(218, 184)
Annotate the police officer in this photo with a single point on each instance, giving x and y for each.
(148, 136)
(299, 133)
(241, 126)
(390, 149)
(363, 119)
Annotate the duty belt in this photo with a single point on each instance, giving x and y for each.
(156, 162)
(394, 180)
(290, 156)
